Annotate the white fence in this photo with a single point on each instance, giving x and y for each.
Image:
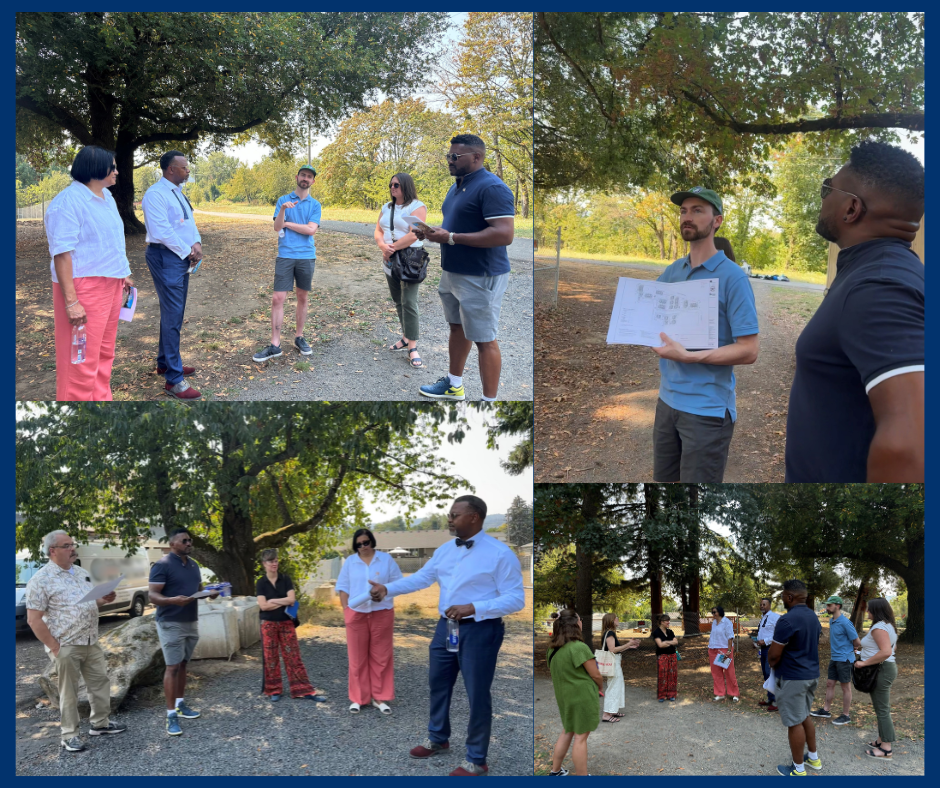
(31, 211)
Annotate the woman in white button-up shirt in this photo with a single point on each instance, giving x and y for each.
(721, 641)
(369, 625)
(90, 274)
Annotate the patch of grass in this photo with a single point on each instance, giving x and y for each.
(214, 346)
(235, 321)
(795, 303)
(412, 610)
(811, 277)
(302, 366)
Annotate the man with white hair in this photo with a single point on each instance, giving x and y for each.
(69, 631)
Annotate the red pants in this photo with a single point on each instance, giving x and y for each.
(102, 297)
(371, 661)
(667, 676)
(278, 639)
(722, 677)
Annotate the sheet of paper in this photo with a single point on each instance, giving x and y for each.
(686, 311)
(360, 600)
(202, 594)
(103, 590)
(414, 221)
(127, 312)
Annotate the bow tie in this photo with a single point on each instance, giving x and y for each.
(461, 543)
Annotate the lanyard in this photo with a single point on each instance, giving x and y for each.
(185, 215)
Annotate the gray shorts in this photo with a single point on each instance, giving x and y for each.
(287, 271)
(474, 302)
(178, 640)
(840, 671)
(795, 699)
(688, 447)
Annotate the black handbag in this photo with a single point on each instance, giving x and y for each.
(864, 679)
(409, 264)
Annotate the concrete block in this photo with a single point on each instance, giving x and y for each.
(249, 620)
(218, 630)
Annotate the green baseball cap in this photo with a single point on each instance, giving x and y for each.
(834, 600)
(703, 194)
(308, 167)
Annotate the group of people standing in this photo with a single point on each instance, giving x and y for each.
(91, 273)
(788, 647)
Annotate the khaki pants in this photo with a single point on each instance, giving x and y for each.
(88, 662)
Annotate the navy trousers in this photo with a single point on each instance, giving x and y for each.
(765, 669)
(476, 660)
(171, 281)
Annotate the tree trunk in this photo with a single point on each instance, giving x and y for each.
(651, 505)
(656, 596)
(123, 192)
(691, 612)
(861, 603)
(916, 592)
(583, 602)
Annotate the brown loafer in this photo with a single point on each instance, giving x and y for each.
(181, 391)
(428, 749)
(187, 371)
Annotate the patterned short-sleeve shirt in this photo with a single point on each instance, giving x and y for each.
(56, 592)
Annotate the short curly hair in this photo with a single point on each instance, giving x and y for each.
(890, 169)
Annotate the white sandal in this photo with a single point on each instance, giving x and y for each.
(353, 708)
(382, 707)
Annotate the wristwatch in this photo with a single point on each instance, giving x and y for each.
(450, 239)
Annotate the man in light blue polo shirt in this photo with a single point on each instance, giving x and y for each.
(843, 640)
(296, 220)
(695, 413)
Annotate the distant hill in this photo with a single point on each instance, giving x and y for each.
(493, 521)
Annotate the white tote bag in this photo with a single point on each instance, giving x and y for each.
(605, 662)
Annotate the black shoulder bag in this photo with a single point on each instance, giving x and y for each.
(863, 679)
(409, 264)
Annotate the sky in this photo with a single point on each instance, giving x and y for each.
(252, 152)
(479, 466)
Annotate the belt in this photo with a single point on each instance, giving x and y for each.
(160, 246)
(464, 621)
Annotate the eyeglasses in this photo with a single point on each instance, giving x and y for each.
(394, 186)
(64, 546)
(827, 187)
(452, 157)
(363, 544)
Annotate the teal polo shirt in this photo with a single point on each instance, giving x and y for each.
(708, 389)
(294, 245)
(841, 637)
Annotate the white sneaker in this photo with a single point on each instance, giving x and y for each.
(736, 699)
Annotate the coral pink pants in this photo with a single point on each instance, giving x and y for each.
(371, 663)
(102, 297)
(723, 676)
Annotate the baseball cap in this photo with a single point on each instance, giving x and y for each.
(834, 600)
(703, 194)
(308, 167)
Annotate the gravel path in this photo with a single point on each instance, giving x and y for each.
(693, 738)
(241, 733)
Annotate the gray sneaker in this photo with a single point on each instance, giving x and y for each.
(73, 745)
(110, 728)
(301, 344)
(271, 351)
(820, 712)
(842, 719)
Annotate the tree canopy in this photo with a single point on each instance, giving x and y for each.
(151, 81)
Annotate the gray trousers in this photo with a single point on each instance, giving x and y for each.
(405, 296)
(690, 448)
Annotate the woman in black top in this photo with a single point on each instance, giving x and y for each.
(666, 643)
(276, 593)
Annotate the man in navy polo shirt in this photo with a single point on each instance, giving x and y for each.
(173, 580)
(296, 221)
(856, 409)
(794, 657)
(695, 413)
(479, 215)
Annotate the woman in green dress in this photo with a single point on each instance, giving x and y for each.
(577, 684)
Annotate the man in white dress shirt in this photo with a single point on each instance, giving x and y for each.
(765, 634)
(173, 247)
(481, 581)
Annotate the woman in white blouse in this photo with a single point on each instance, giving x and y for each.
(878, 649)
(90, 274)
(721, 641)
(369, 625)
(390, 239)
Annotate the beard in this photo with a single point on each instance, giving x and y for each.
(693, 234)
(826, 228)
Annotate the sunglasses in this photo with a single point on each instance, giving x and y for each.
(827, 188)
(363, 544)
(394, 186)
(452, 157)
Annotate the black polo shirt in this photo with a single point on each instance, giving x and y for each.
(798, 631)
(178, 580)
(278, 591)
(664, 636)
(869, 326)
(472, 200)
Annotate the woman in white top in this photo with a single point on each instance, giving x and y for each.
(90, 274)
(721, 641)
(369, 625)
(614, 696)
(878, 649)
(391, 239)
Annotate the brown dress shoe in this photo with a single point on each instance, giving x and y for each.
(428, 749)
(182, 390)
(187, 371)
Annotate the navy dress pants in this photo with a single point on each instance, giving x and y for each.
(476, 660)
(171, 281)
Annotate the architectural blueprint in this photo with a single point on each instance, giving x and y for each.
(686, 311)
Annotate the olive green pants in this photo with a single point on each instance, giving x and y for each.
(881, 700)
(405, 296)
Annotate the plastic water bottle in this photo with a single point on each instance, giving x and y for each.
(78, 344)
(453, 634)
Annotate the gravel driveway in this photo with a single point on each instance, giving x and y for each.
(693, 738)
(242, 733)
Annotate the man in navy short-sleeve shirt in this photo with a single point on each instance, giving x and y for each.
(479, 215)
(794, 657)
(856, 408)
(695, 412)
